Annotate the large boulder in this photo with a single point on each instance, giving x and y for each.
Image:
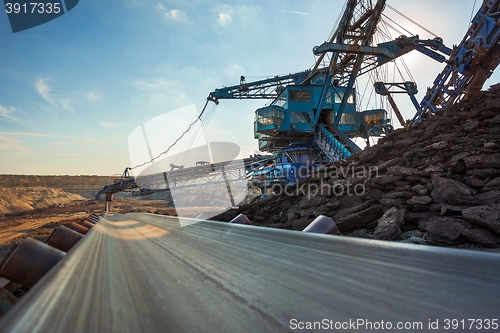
(445, 230)
(481, 237)
(493, 184)
(484, 216)
(351, 219)
(482, 161)
(389, 224)
(488, 198)
(452, 192)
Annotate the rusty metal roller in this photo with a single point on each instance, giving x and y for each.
(322, 225)
(28, 261)
(91, 221)
(87, 224)
(241, 219)
(78, 228)
(64, 238)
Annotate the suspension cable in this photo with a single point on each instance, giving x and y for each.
(198, 118)
(188, 144)
(472, 13)
(399, 25)
(412, 21)
(335, 26)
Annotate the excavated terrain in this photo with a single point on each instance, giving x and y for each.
(22, 199)
(39, 223)
(436, 183)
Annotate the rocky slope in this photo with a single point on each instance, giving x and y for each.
(436, 183)
(22, 199)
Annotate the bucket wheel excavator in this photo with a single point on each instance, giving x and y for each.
(313, 115)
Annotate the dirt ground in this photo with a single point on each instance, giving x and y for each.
(40, 223)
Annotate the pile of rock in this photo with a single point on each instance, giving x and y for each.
(436, 183)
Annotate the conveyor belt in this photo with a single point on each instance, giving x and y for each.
(144, 273)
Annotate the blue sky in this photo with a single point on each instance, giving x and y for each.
(72, 90)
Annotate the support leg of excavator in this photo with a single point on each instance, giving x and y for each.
(109, 198)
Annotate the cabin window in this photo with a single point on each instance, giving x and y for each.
(348, 119)
(281, 100)
(340, 95)
(270, 116)
(300, 118)
(374, 118)
(300, 95)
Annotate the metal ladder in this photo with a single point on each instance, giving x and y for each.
(331, 147)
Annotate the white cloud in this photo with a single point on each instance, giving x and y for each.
(44, 90)
(160, 8)
(26, 134)
(91, 141)
(157, 85)
(174, 14)
(294, 12)
(66, 104)
(234, 70)
(241, 15)
(108, 125)
(7, 112)
(93, 96)
(171, 15)
(224, 18)
(160, 95)
(12, 143)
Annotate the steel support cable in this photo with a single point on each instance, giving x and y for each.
(210, 113)
(188, 144)
(394, 70)
(385, 26)
(407, 70)
(399, 32)
(362, 97)
(399, 25)
(472, 13)
(168, 149)
(403, 62)
(372, 80)
(399, 71)
(384, 74)
(335, 26)
(358, 100)
(411, 20)
(384, 31)
(186, 148)
(198, 118)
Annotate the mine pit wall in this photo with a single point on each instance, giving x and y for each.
(22, 199)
